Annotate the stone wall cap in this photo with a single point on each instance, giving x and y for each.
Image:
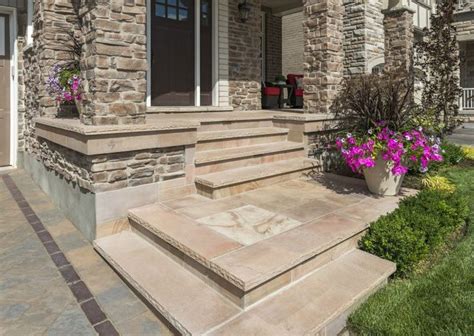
(75, 125)
(304, 116)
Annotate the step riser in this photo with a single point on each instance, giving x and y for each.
(213, 167)
(234, 124)
(232, 190)
(226, 288)
(232, 143)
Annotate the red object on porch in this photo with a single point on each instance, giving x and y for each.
(296, 99)
(270, 96)
(271, 91)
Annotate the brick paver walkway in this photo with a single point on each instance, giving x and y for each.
(42, 293)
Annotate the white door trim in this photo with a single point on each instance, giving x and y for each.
(197, 56)
(11, 12)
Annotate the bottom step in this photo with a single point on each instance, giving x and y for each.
(235, 181)
(319, 302)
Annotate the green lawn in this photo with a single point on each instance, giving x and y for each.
(437, 302)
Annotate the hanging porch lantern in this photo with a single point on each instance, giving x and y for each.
(244, 11)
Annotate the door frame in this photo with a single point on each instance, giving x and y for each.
(11, 12)
(197, 53)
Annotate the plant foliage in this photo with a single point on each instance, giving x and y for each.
(438, 59)
(364, 100)
(421, 224)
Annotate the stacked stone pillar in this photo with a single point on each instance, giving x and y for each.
(114, 62)
(399, 38)
(54, 19)
(363, 35)
(324, 54)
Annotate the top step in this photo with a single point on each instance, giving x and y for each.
(188, 109)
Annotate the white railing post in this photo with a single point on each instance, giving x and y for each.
(467, 99)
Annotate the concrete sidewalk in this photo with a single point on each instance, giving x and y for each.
(42, 293)
(463, 135)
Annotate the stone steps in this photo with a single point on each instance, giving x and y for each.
(317, 303)
(185, 301)
(246, 273)
(230, 158)
(219, 121)
(230, 182)
(239, 137)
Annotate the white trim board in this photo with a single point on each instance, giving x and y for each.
(11, 12)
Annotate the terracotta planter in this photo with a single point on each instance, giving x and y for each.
(380, 179)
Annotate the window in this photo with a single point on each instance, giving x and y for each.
(172, 9)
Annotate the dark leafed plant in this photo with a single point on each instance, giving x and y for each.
(365, 100)
(438, 58)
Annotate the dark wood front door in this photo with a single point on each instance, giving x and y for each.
(172, 68)
(5, 75)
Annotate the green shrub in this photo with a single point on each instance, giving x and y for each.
(420, 224)
(393, 239)
(452, 154)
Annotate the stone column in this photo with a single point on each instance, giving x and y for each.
(324, 54)
(399, 39)
(114, 62)
(363, 35)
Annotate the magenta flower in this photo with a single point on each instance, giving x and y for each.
(404, 149)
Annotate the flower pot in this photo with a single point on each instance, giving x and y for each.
(67, 111)
(380, 179)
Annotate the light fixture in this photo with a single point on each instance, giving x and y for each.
(244, 11)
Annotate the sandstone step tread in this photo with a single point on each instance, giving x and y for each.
(187, 302)
(215, 117)
(188, 109)
(310, 305)
(240, 133)
(244, 152)
(245, 174)
(198, 242)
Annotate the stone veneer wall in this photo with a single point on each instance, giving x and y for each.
(114, 171)
(293, 43)
(114, 61)
(107, 79)
(324, 54)
(273, 46)
(399, 38)
(363, 35)
(245, 66)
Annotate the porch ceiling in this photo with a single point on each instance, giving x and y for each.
(281, 6)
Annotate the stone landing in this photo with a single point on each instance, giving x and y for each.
(280, 260)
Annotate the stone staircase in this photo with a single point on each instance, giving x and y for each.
(241, 151)
(302, 279)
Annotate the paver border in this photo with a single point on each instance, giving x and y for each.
(86, 300)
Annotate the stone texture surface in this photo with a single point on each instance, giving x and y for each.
(293, 43)
(35, 299)
(113, 171)
(248, 224)
(245, 58)
(399, 39)
(187, 302)
(363, 35)
(297, 311)
(324, 53)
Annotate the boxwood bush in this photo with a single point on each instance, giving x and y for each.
(420, 225)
